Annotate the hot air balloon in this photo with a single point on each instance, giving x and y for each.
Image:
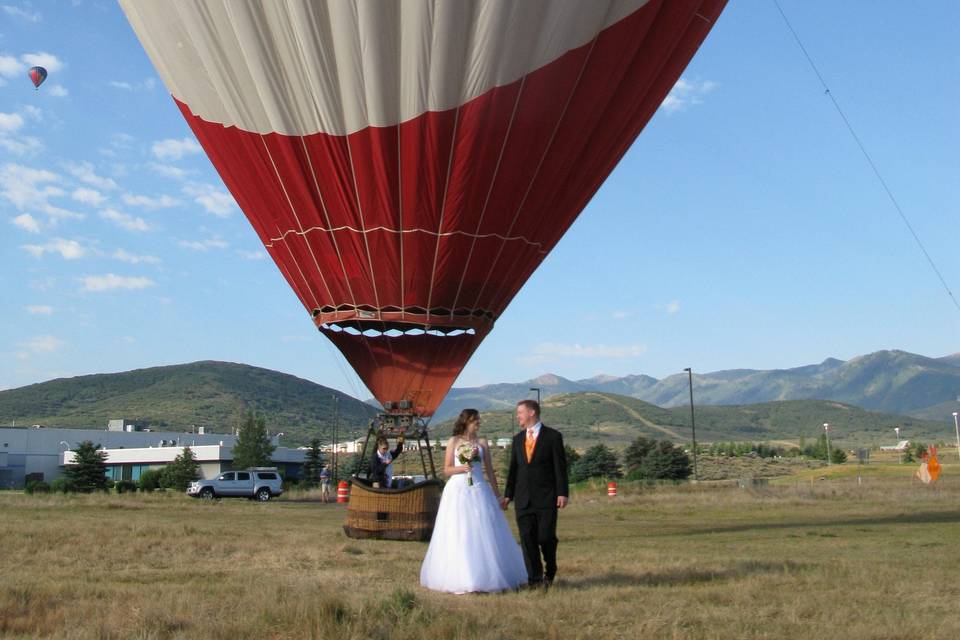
(37, 76)
(408, 165)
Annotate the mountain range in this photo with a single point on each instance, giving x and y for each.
(895, 382)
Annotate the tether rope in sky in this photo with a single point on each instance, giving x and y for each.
(863, 150)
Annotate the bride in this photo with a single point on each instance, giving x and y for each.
(472, 548)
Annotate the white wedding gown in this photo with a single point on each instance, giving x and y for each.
(472, 548)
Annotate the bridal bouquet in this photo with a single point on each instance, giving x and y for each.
(466, 454)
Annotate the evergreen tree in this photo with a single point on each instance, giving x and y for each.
(503, 469)
(313, 463)
(569, 453)
(838, 456)
(253, 448)
(634, 454)
(597, 462)
(181, 472)
(89, 472)
(665, 462)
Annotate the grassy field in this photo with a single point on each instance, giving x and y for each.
(810, 559)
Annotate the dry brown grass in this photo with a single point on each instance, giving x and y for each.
(812, 560)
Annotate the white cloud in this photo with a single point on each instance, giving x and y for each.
(686, 93)
(85, 172)
(171, 149)
(43, 59)
(39, 310)
(125, 221)
(22, 146)
(204, 245)
(110, 282)
(33, 112)
(251, 255)
(147, 85)
(672, 307)
(88, 196)
(10, 122)
(11, 67)
(552, 352)
(215, 200)
(129, 258)
(58, 91)
(28, 190)
(68, 249)
(22, 12)
(43, 344)
(27, 222)
(168, 170)
(150, 203)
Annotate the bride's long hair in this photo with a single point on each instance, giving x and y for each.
(466, 417)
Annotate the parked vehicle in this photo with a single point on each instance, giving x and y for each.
(261, 483)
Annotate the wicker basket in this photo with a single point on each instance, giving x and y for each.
(392, 514)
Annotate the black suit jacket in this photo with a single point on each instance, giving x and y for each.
(378, 470)
(536, 484)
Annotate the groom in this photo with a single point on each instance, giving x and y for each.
(537, 483)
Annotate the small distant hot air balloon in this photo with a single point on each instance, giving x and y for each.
(38, 75)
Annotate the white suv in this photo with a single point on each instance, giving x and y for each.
(261, 483)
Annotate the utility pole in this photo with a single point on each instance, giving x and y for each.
(693, 424)
(336, 435)
(826, 433)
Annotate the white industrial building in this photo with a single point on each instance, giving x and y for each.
(41, 452)
(130, 463)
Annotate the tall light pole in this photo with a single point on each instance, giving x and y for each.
(957, 427)
(537, 389)
(826, 432)
(899, 450)
(336, 435)
(693, 424)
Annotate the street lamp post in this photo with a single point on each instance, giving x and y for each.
(693, 424)
(336, 435)
(957, 427)
(826, 432)
(537, 389)
(899, 450)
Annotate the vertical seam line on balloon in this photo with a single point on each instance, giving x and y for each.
(316, 300)
(443, 209)
(316, 182)
(486, 201)
(533, 179)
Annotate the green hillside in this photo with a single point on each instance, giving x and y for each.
(588, 417)
(211, 394)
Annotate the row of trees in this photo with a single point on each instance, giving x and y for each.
(644, 459)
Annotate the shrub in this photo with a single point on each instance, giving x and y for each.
(125, 486)
(62, 485)
(36, 486)
(150, 480)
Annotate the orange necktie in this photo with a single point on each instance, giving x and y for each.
(530, 444)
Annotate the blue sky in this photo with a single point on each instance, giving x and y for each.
(744, 229)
